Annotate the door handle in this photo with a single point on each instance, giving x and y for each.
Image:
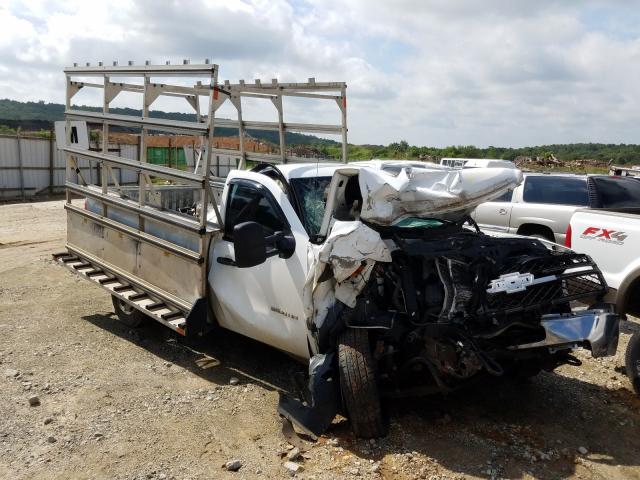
(502, 211)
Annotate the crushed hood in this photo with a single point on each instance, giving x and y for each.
(431, 192)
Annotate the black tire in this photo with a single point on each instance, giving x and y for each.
(632, 359)
(126, 314)
(358, 384)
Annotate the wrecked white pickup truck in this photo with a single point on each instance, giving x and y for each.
(368, 271)
(402, 298)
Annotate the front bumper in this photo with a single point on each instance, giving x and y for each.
(597, 330)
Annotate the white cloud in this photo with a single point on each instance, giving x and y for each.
(497, 72)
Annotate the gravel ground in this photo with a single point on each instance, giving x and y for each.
(114, 403)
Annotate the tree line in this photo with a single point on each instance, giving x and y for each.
(14, 113)
(614, 153)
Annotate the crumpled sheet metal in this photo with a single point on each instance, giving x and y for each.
(348, 245)
(433, 192)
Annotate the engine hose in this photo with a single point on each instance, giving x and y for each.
(445, 278)
(397, 291)
(501, 330)
(472, 222)
(492, 367)
(409, 289)
(395, 296)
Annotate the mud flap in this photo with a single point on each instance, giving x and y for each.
(314, 415)
(607, 344)
(197, 324)
(632, 361)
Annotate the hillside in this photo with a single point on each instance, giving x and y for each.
(39, 115)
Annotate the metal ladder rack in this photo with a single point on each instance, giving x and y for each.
(150, 92)
(115, 241)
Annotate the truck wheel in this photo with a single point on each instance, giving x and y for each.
(358, 384)
(633, 361)
(127, 314)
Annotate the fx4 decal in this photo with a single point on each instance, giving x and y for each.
(604, 235)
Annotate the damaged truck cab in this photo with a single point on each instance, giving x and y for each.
(371, 271)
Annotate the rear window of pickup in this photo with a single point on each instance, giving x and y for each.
(617, 192)
(556, 190)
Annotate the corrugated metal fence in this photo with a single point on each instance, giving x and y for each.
(31, 166)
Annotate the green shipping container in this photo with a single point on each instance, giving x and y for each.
(173, 157)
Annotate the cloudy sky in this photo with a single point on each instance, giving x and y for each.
(433, 72)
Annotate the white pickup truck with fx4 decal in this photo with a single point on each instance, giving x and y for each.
(610, 237)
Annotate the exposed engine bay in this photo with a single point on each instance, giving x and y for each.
(441, 314)
(401, 304)
(451, 306)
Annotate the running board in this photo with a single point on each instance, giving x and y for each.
(171, 316)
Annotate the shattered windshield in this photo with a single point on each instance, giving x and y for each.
(312, 195)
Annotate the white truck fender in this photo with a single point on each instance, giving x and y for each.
(610, 238)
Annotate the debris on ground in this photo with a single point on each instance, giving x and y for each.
(294, 453)
(292, 467)
(551, 162)
(233, 465)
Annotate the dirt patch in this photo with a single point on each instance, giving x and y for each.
(118, 403)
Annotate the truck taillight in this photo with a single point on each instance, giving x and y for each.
(567, 239)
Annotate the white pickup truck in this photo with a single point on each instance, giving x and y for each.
(542, 205)
(367, 270)
(611, 238)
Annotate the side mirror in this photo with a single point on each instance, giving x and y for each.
(249, 244)
(285, 245)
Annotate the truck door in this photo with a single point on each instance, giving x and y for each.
(496, 214)
(262, 302)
